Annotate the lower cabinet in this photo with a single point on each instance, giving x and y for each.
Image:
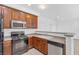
(7, 47)
(30, 42)
(40, 44)
(44, 48)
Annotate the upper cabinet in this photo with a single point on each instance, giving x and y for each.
(22, 16)
(10, 14)
(31, 21)
(28, 20)
(0, 9)
(34, 22)
(6, 17)
(15, 14)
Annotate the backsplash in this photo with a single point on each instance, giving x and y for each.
(7, 32)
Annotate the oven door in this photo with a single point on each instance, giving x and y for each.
(19, 46)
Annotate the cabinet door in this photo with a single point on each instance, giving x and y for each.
(0, 9)
(22, 16)
(31, 21)
(30, 42)
(28, 20)
(7, 47)
(15, 14)
(40, 44)
(34, 22)
(6, 17)
(35, 42)
(44, 47)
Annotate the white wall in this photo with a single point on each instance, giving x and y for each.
(68, 20)
(45, 24)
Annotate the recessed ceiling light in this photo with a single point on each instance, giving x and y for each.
(29, 4)
(43, 7)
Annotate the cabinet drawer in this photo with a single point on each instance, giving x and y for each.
(30, 42)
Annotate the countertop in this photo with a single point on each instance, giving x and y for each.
(52, 36)
(49, 37)
(46, 36)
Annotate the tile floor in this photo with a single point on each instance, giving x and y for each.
(33, 52)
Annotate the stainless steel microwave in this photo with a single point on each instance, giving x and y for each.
(18, 24)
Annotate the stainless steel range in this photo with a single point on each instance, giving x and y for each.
(19, 42)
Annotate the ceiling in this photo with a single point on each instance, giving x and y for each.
(62, 11)
(50, 10)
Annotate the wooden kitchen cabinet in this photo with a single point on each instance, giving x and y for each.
(28, 20)
(6, 17)
(31, 21)
(0, 9)
(7, 50)
(34, 21)
(30, 42)
(10, 14)
(22, 16)
(15, 14)
(40, 44)
(44, 47)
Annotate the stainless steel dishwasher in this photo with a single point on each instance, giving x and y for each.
(55, 48)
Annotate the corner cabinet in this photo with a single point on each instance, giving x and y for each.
(39, 43)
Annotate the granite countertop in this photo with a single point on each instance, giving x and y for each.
(52, 34)
(49, 37)
(46, 35)
(61, 34)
